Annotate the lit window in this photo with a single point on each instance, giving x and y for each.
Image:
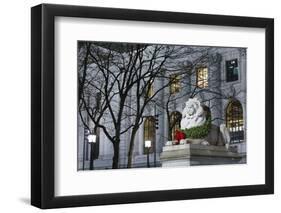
(202, 77)
(232, 70)
(149, 133)
(234, 121)
(174, 84)
(150, 89)
(174, 125)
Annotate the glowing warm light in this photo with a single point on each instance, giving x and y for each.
(202, 77)
(174, 84)
(92, 138)
(147, 144)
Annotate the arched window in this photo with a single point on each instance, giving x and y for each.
(234, 121)
(175, 120)
(149, 133)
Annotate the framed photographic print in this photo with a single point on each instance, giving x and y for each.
(141, 106)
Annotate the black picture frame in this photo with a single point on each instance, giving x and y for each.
(43, 102)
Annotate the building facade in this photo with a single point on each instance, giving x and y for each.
(218, 81)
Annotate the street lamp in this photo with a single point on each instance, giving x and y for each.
(92, 140)
(147, 145)
(85, 145)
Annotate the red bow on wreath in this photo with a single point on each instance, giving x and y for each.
(179, 135)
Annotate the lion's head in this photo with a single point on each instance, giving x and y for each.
(193, 114)
(192, 107)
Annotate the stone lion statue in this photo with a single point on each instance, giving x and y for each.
(193, 114)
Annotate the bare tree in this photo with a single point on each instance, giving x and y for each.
(115, 72)
(116, 80)
(145, 95)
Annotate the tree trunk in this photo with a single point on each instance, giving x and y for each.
(169, 133)
(131, 147)
(169, 126)
(115, 159)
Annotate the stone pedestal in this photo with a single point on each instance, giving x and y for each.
(175, 156)
(184, 155)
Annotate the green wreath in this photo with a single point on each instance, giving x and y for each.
(199, 132)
